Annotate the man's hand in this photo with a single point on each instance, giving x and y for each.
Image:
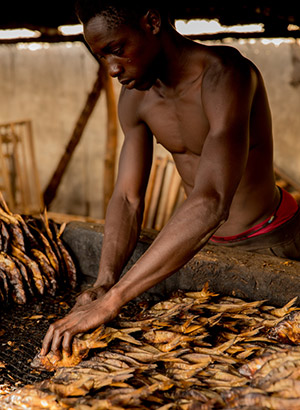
(79, 320)
(89, 295)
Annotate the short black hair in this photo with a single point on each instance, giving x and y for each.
(117, 11)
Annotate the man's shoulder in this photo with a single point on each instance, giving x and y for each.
(224, 54)
(130, 105)
(130, 98)
(226, 61)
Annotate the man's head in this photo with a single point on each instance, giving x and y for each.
(127, 36)
(117, 11)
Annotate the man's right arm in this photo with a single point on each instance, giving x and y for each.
(125, 209)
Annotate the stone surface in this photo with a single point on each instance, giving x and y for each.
(228, 271)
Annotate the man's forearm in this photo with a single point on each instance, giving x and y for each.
(184, 235)
(122, 229)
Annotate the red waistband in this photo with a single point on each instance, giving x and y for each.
(285, 211)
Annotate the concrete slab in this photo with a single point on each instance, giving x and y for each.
(228, 271)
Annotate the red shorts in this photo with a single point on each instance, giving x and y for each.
(286, 210)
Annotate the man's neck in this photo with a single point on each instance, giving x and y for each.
(175, 63)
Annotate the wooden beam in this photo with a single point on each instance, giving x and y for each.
(59, 38)
(259, 35)
(51, 189)
(44, 38)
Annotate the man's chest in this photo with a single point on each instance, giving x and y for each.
(179, 124)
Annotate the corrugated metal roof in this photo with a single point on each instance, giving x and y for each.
(50, 14)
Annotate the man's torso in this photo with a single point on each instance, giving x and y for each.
(178, 121)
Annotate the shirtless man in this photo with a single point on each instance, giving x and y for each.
(208, 106)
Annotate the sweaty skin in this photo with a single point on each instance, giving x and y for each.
(208, 106)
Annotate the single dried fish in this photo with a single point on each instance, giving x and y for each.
(280, 312)
(47, 270)
(14, 278)
(31, 398)
(33, 267)
(81, 346)
(80, 381)
(288, 329)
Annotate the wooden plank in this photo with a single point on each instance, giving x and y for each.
(20, 160)
(38, 191)
(5, 175)
(111, 139)
(61, 218)
(172, 195)
(18, 168)
(149, 192)
(161, 210)
(161, 165)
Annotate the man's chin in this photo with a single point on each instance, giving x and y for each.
(143, 86)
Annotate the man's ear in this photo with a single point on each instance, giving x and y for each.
(152, 21)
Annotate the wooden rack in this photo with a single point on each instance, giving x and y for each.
(19, 179)
(289, 184)
(164, 193)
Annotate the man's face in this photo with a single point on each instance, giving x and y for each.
(131, 53)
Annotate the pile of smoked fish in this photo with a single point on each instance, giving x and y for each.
(33, 259)
(192, 351)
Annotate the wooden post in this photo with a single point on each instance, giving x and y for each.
(160, 165)
(50, 191)
(5, 175)
(21, 171)
(111, 141)
(38, 191)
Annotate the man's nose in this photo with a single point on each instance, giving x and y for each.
(114, 68)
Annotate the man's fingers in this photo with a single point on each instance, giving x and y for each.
(56, 341)
(47, 340)
(52, 340)
(67, 341)
(60, 334)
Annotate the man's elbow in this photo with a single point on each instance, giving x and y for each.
(132, 201)
(216, 208)
(223, 210)
(221, 213)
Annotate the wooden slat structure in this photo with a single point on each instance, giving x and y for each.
(289, 184)
(164, 193)
(19, 178)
